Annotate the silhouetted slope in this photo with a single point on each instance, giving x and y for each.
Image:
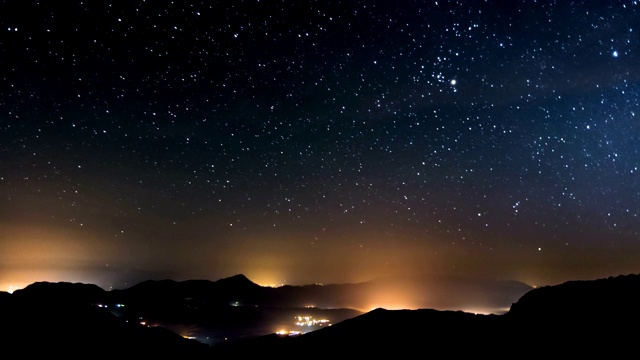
(406, 332)
(236, 289)
(588, 315)
(59, 294)
(49, 319)
(577, 318)
(394, 333)
(596, 318)
(442, 293)
(602, 299)
(236, 308)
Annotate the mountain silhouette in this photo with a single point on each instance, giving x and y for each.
(66, 319)
(418, 291)
(576, 318)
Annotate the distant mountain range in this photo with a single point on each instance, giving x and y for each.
(83, 320)
(410, 292)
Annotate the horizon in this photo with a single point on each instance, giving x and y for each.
(391, 293)
(78, 279)
(384, 293)
(318, 142)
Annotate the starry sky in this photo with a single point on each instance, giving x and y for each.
(300, 142)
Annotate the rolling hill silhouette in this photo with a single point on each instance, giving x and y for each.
(576, 318)
(48, 319)
(441, 293)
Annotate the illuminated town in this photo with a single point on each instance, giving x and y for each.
(309, 323)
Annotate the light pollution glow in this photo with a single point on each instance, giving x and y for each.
(51, 254)
(31, 254)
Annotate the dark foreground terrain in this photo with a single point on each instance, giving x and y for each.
(576, 318)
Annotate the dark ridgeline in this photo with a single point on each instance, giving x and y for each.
(64, 319)
(240, 290)
(576, 318)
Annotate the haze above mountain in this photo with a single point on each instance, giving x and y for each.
(236, 308)
(586, 317)
(393, 292)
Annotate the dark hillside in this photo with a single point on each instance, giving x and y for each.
(578, 318)
(574, 319)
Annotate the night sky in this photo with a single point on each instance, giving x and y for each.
(300, 142)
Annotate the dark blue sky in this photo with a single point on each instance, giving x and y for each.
(318, 141)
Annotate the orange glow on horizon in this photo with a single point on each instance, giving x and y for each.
(30, 254)
(10, 288)
(19, 278)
